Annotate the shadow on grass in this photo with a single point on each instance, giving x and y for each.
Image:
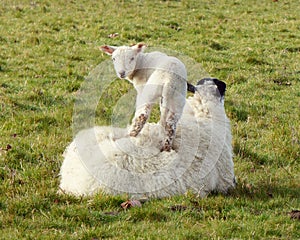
(264, 188)
(244, 153)
(236, 112)
(263, 191)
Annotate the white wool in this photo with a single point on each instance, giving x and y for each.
(106, 159)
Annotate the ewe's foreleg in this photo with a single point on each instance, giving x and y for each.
(141, 116)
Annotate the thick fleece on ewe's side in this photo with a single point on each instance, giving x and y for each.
(103, 159)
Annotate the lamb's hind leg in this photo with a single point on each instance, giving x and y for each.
(170, 128)
(139, 120)
(173, 101)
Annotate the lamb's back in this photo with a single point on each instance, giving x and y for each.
(161, 61)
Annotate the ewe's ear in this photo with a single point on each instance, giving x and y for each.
(107, 49)
(139, 47)
(221, 86)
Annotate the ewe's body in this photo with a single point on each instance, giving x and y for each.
(105, 159)
(154, 75)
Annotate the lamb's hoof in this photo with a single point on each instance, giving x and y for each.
(133, 134)
(166, 148)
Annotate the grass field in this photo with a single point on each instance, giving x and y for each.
(47, 48)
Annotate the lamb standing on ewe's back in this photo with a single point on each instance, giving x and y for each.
(106, 159)
(154, 75)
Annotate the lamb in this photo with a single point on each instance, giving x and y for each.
(154, 75)
(105, 159)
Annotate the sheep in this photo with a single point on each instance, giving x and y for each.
(154, 75)
(105, 159)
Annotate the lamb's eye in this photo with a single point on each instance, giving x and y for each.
(113, 59)
(131, 59)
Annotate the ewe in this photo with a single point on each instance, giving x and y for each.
(106, 159)
(154, 75)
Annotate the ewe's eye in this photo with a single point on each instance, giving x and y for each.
(131, 59)
(113, 59)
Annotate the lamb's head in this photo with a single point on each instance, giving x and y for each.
(124, 58)
(211, 89)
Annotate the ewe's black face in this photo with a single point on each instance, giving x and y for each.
(214, 86)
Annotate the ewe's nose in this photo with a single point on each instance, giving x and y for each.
(122, 74)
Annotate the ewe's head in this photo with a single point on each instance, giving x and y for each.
(124, 58)
(211, 89)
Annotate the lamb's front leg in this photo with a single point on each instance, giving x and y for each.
(141, 116)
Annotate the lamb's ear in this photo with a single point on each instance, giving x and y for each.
(139, 47)
(107, 49)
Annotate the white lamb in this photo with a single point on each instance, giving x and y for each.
(105, 159)
(154, 75)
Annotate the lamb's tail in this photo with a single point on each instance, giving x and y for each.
(191, 88)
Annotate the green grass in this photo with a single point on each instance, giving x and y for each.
(47, 48)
